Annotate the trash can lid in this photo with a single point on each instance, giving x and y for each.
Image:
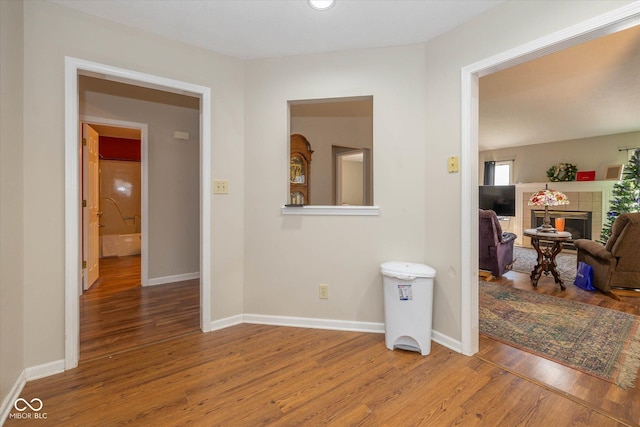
(395, 268)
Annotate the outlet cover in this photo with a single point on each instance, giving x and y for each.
(220, 186)
(323, 291)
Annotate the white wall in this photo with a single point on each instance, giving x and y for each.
(11, 199)
(174, 181)
(532, 161)
(288, 256)
(322, 133)
(90, 38)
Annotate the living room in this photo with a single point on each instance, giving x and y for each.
(563, 110)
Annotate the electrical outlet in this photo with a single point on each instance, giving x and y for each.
(220, 186)
(323, 291)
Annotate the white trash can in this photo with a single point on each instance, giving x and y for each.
(408, 305)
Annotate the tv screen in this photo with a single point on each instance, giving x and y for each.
(499, 198)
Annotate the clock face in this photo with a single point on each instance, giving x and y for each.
(297, 170)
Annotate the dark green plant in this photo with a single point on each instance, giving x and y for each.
(626, 195)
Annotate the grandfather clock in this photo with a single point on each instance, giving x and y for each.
(299, 170)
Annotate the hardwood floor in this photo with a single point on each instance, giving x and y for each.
(593, 392)
(117, 314)
(257, 375)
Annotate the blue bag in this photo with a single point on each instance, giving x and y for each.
(584, 277)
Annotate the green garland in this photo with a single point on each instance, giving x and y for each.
(562, 172)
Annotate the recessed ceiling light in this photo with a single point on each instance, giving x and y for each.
(321, 4)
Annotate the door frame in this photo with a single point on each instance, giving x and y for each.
(73, 204)
(609, 23)
(144, 175)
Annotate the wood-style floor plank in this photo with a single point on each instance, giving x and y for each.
(591, 391)
(258, 375)
(117, 314)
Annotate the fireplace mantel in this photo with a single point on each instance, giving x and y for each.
(588, 196)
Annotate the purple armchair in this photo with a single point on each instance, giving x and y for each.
(496, 247)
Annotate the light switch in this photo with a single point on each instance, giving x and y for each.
(220, 186)
(452, 164)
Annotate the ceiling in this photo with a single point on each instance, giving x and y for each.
(589, 90)
(250, 29)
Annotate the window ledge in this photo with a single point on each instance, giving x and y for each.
(332, 210)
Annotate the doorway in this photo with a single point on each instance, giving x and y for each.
(617, 20)
(116, 190)
(74, 68)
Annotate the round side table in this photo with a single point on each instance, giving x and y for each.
(546, 255)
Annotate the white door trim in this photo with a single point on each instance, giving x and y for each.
(73, 236)
(608, 23)
(144, 169)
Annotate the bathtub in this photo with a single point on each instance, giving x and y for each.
(112, 245)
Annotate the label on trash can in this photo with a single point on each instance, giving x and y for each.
(405, 292)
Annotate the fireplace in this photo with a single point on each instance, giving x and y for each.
(578, 223)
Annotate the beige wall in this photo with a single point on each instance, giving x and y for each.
(94, 39)
(532, 161)
(11, 200)
(174, 199)
(288, 256)
(322, 133)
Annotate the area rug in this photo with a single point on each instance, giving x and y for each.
(527, 258)
(591, 339)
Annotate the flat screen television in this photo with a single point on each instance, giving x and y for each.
(499, 198)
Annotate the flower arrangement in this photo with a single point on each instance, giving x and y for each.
(562, 172)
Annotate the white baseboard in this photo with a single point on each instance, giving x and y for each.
(14, 394)
(340, 325)
(45, 370)
(446, 341)
(172, 279)
(226, 322)
(305, 322)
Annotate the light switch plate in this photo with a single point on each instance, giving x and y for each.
(452, 164)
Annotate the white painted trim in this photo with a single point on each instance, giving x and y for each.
(205, 208)
(73, 236)
(44, 370)
(338, 325)
(144, 173)
(11, 397)
(331, 210)
(73, 268)
(226, 322)
(305, 322)
(172, 279)
(608, 23)
(446, 341)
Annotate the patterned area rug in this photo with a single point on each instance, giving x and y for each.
(591, 339)
(526, 259)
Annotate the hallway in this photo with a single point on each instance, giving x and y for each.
(117, 314)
